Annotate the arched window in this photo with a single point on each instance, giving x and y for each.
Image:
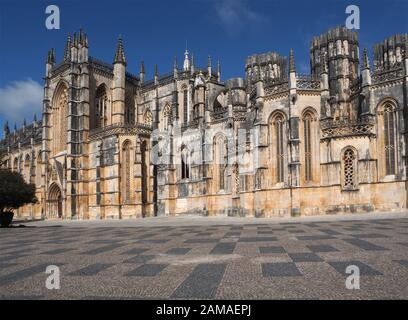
(166, 117)
(130, 110)
(145, 171)
(126, 153)
(38, 173)
(185, 106)
(26, 172)
(277, 145)
(185, 163)
(280, 149)
(33, 170)
(101, 103)
(308, 134)
(221, 160)
(389, 139)
(349, 169)
(60, 118)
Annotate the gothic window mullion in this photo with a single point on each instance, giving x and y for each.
(279, 150)
(308, 148)
(389, 143)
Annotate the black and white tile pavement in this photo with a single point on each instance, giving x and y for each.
(262, 261)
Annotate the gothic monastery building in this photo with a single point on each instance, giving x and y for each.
(114, 145)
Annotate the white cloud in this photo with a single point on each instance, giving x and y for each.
(19, 100)
(235, 15)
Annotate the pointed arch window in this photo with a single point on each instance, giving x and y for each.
(185, 106)
(126, 151)
(27, 169)
(166, 117)
(389, 140)
(221, 160)
(101, 102)
(33, 170)
(38, 173)
(280, 154)
(60, 118)
(129, 111)
(307, 128)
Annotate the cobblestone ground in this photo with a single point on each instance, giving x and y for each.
(206, 259)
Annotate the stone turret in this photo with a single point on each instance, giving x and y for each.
(269, 66)
(390, 52)
(119, 73)
(340, 45)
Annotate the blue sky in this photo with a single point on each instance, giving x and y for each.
(156, 31)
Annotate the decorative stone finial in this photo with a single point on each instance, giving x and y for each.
(67, 51)
(120, 52)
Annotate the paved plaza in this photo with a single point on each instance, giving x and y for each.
(207, 258)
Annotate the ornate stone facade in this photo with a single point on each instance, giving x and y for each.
(275, 143)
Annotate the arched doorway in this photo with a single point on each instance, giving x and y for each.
(55, 202)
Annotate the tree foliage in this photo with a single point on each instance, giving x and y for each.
(14, 191)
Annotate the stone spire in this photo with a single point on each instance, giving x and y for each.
(192, 63)
(6, 129)
(292, 66)
(142, 72)
(175, 64)
(365, 70)
(219, 71)
(81, 36)
(186, 64)
(175, 67)
(156, 74)
(120, 53)
(366, 64)
(209, 67)
(51, 57)
(67, 51)
(75, 42)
